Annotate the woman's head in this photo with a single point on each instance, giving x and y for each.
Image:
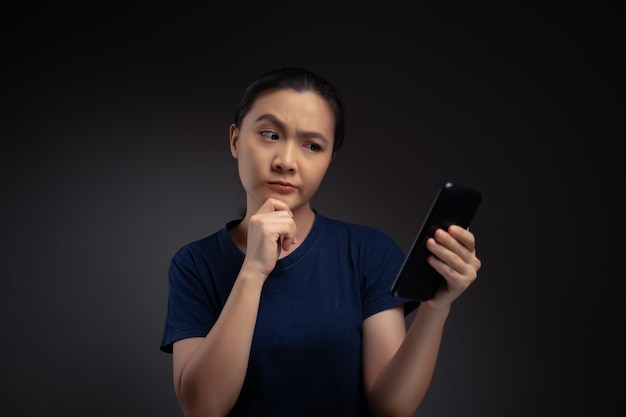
(300, 80)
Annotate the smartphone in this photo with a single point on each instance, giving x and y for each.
(453, 204)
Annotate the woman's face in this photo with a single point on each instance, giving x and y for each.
(283, 147)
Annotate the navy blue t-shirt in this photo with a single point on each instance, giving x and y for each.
(305, 357)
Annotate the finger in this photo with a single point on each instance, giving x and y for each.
(464, 236)
(448, 251)
(453, 253)
(289, 238)
(273, 204)
(287, 243)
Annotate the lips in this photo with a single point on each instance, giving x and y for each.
(282, 187)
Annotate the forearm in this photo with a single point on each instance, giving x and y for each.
(402, 385)
(213, 377)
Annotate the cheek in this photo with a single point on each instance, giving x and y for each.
(249, 168)
(243, 167)
(317, 173)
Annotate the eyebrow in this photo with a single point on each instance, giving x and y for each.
(276, 121)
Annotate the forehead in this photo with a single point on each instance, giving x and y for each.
(304, 107)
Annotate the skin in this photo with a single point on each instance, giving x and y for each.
(286, 138)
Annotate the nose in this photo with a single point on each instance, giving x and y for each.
(285, 158)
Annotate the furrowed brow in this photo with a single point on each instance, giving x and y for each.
(272, 119)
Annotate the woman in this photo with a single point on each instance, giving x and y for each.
(286, 312)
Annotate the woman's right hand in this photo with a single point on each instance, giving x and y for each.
(270, 230)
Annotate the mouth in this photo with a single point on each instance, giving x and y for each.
(281, 186)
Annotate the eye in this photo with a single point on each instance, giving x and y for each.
(271, 135)
(313, 147)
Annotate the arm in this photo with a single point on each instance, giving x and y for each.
(399, 365)
(209, 372)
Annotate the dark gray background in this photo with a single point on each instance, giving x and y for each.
(115, 153)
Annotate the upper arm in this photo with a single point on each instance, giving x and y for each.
(383, 334)
(182, 351)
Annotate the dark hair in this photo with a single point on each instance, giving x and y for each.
(297, 79)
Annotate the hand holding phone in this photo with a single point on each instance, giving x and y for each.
(453, 204)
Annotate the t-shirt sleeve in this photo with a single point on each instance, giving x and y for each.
(381, 263)
(189, 312)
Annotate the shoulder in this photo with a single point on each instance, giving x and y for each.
(355, 233)
(343, 225)
(349, 227)
(216, 242)
(198, 246)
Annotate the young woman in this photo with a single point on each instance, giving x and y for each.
(286, 312)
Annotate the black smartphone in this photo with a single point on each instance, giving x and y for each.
(453, 204)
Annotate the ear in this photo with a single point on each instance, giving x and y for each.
(234, 139)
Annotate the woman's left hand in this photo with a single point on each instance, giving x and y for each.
(454, 257)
